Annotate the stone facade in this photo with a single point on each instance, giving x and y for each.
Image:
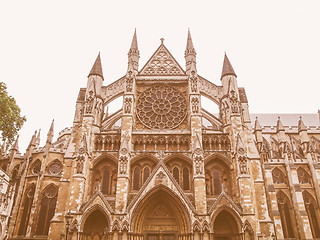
(164, 167)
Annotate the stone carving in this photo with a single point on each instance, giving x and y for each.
(195, 105)
(161, 108)
(198, 160)
(89, 102)
(127, 105)
(161, 176)
(234, 102)
(278, 176)
(129, 82)
(123, 164)
(193, 82)
(162, 63)
(242, 160)
(79, 164)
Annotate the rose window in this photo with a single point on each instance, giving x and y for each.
(161, 108)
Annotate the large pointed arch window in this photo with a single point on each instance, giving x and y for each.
(47, 209)
(28, 199)
(146, 174)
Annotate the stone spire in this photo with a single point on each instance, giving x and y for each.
(227, 68)
(133, 54)
(257, 126)
(33, 139)
(97, 68)
(190, 54)
(50, 133)
(302, 129)
(280, 131)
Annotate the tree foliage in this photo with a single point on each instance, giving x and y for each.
(10, 120)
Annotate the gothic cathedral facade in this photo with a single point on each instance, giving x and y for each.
(163, 167)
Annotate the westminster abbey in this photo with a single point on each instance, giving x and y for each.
(165, 167)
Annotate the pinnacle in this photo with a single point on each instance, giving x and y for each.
(50, 133)
(227, 68)
(97, 68)
(190, 48)
(301, 126)
(257, 126)
(279, 125)
(134, 44)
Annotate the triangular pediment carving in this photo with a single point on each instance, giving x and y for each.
(97, 199)
(160, 177)
(162, 63)
(224, 200)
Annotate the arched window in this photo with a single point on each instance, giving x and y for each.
(186, 185)
(47, 208)
(28, 199)
(286, 220)
(105, 182)
(176, 174)
(146, 174)
(313, 219)
(278, 176)
(303, 176)
(136, 178)
(216, 182)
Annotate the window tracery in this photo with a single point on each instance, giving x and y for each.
(104, 177)
(55, 168)
(28, 199)
(311, 207)
(161, 107)
(47, 209)
(285, 210)
(303, 176)
(36, 167)
(277, 176)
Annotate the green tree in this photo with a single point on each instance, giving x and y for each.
(10, 120)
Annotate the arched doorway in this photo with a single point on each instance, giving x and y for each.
(95, 226)
(225, 227)
(161, 215)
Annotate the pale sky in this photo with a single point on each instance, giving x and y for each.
(47, 49)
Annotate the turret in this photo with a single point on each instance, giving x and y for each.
(228, 76)
(93, 98)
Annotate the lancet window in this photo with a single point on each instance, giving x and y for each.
(181, 172)
(303, 176)
(47, 209)
(278, 176)
(218, 178)
(140, 172)
(286, 215)
(28, 199)
(105, 177)
(311, 207)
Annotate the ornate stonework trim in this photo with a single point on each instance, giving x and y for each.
(113, 91)
(89, 210)
(231, 202)
(142, 156)
(176, 64)
(84, 209)
(105, 155)
(140, 196)
(210, 90)
(224, 159)
(234, 212)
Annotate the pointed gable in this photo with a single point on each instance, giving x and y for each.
(162, 63)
